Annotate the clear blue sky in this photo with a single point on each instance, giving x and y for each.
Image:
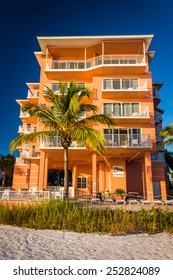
(22, 22)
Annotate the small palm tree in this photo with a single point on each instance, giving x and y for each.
(62, 117)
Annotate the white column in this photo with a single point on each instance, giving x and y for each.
(85, 58)
(102, 52)
(47, 66)
(144, 51)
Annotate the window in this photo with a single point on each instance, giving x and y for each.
(81, 183)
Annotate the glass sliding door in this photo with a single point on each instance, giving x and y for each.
(126, 109)
(135, 136)
(116, 109)
(107, 109)
(107, 84)
(123, 136)
(116, 84)
(134, 83)
(135, 108)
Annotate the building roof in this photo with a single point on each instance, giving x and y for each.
(83, 41)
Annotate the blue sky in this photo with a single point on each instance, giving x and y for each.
(21, 23)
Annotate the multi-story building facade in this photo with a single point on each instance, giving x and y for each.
(116, 69)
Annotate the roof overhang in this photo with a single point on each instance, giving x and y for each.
(82, 41)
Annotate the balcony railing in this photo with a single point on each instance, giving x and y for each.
(125, 111)
(156, 93)
(26, 129)
(124, 84)
(106, 60)
(33, 94)
(24, 114)
(29, 153)
(128, 140)
(55, 142)
(20, 161)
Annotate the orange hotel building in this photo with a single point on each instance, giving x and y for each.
(116, 69)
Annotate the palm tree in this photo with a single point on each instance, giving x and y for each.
(167, 135)
(62, 117)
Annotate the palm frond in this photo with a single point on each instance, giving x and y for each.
(96, 119)
(167, 135)
(28, 138)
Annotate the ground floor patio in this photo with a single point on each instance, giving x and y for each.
(90, 174)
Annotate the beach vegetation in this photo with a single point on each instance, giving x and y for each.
(64, 215)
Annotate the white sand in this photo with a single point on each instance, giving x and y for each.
(29, 244)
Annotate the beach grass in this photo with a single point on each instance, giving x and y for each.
(63, 215)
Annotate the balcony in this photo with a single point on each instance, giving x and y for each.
(20, 161)
(55, 142)
(29, 154)
(156, 96)
(25, 130)
(33, 95)
(124, 112)
(24, 114)
(128, 140)
(158, 117)
(124, 88)
(129, 63)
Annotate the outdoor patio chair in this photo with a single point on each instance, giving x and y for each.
(108, 200)
(133, 201)
(120, 201)
(95, 200)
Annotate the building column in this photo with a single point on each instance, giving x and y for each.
(147, 177)
(74, 175)
(101, 177)
(163, 190)
(41, 171)
(45, 173)
(94, 173)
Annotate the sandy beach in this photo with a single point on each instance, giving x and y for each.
(30, 244)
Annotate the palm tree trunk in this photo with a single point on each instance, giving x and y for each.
(66, 173)
(3, 180)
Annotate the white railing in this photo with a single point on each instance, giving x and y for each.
(20, 161)
(127, 140)
(125, 111)
(116, 60)
(26, 130)
(133, 84)
(29, 153)
(22, 195)
(24, 114)
(156, 93)
(55, 142)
